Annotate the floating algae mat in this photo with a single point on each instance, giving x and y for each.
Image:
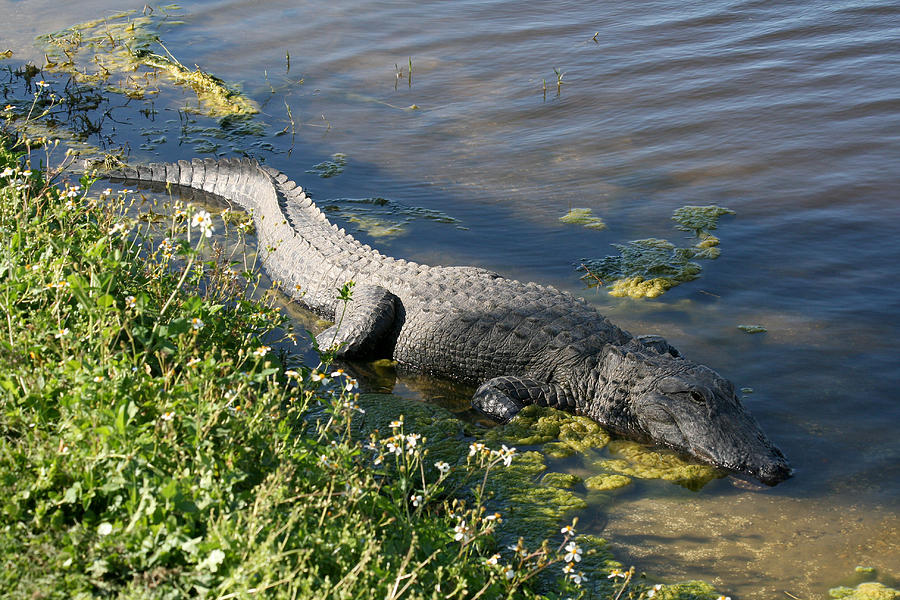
(583, 217)
(561, 434)
(649, 267)
(123, 54)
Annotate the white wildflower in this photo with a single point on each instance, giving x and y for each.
(476, 447)
(203, 221)
(462, 532)
(573, 552)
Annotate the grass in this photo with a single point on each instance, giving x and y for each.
(152, 445)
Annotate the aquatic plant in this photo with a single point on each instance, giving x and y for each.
(649, 267)
(605, 482)
(330, 168)
(120, 53)
(865, 591)
(583, 216)
(381, 217)
(699, 219)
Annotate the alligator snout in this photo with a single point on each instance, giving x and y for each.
(774, 471)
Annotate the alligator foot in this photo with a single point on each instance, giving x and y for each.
(501, 398)
(367, 321)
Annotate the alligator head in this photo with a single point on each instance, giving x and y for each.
(690, 408)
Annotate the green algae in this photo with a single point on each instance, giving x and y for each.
(638, 287)
(562, 434)
(646, 268)
(687, 590)
(699, 219)
(119, 54)
(605, 482)
(649, 267)
(637, 460)
(381, 217)
(865, 591)
(752, 328)
(565, 481)
(584, 217)
(446, 434)
(330, 168)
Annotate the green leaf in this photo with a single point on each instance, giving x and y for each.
(121, 418)
(72, 494)
(192, 305)
(106, 301)
(169, 490)
(79, 287)
(176, 327)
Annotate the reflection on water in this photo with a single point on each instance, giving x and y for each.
(786, 113)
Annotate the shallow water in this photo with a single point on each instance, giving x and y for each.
(787, 113)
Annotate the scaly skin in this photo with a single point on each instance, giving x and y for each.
(522, 342)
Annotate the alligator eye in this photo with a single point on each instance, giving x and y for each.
(697, 397)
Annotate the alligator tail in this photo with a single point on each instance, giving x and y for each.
(304, 254)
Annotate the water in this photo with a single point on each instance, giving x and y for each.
(788, 113)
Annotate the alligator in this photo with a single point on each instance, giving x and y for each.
(520, 343)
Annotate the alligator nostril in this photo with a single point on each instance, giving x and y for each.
(775, 473)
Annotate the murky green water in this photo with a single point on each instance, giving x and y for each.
(787, 113)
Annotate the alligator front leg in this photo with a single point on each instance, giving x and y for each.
(368, 319)
(501, 398)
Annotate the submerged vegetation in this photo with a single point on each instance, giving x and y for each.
(122, 54)
(330, 168)
(380, 217)
(648, 268)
